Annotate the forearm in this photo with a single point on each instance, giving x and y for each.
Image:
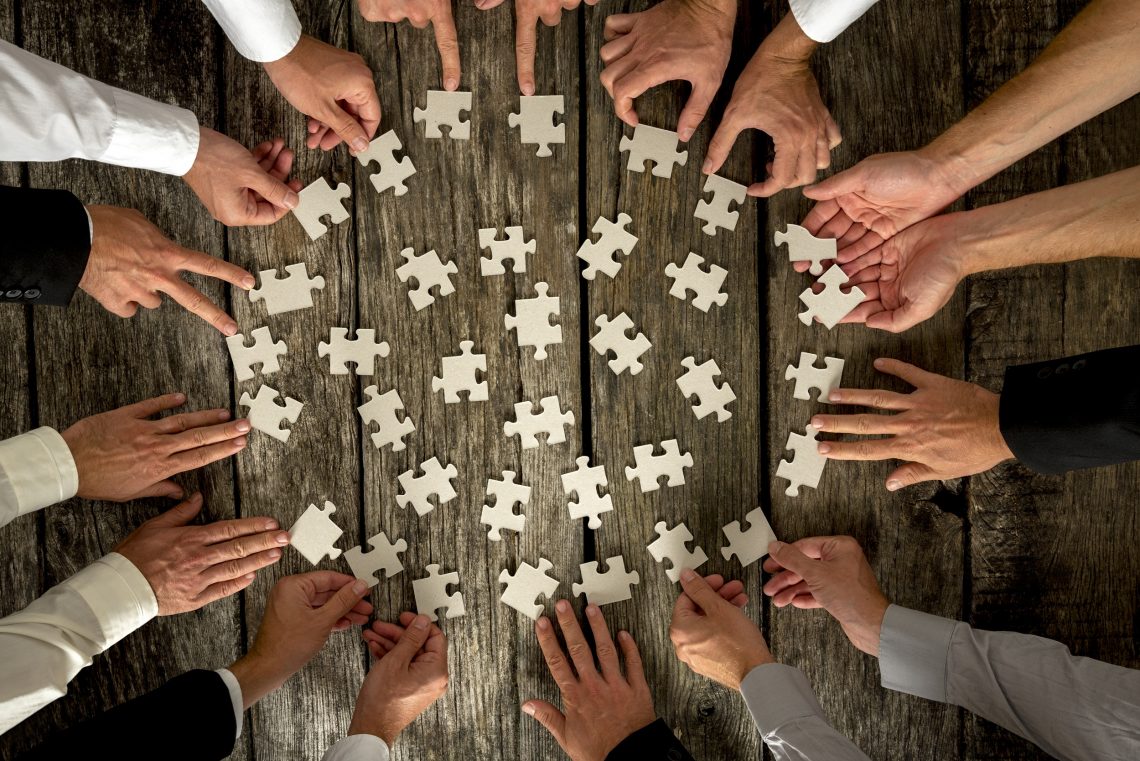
(36, 470)
(1098, 217)
(788, 42)
(1092, 65)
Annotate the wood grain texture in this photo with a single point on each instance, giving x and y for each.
(914, 538)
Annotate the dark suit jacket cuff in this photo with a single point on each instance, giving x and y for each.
(653, 741)
(1077, 412)
(46, 246)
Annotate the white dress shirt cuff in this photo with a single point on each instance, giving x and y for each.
(118, 594)
(260, 30)
(777, 695)
(36, 470)
(151, 135)
(358, 748)
(234, 687)
(824, 20)
(913, 652)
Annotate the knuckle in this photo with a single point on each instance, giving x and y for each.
(577, 650)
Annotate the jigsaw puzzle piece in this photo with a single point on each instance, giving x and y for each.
(513, 246)
(428, 272)
(392, 173)
(805, 247)
(501, 515)
(612, 237)
(650, 466)
(527, 425)
(531, 321)
(751, 545)
(314, 534)
(535, 121)
(384, 556)
(704, 285)
(716, 213)
(585, 483)
(294, 291)
(832, 304)
(417, 490)
(670, 545)
(808, 376)
(460, 374)
(431, 594)
(361, 351)
(612, 336)
(381, 409)
(652, 144)
(806, 467)
(526, 584)
(266, 415)
(263, 351)
(614, 585)
(444, 108)
(699, 380)
(318, 200)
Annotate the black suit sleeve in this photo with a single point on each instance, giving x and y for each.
(1077, 412)
(47, 239)
(190, 718)
(651, 742)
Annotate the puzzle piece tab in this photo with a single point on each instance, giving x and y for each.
(832, 304)
(444, 109)
(361, 351)
(460, 374)
(531, 321)
(418, 489)
(384, 556)
(314, 534)
(527, 583)
(514, 246)
(716, 212)
(507, 494)
(392, 173)
(805, 247)
(651, 467)
(552, 421)
(381, 409)
(535, 121)
(600, 256)
(267, 415)
(585, 483)
(605, 588)
(318, 200)
(751, 545)
(808, 376)
(295, 291)
(428, 272)
(611, 336)
(264, 351)
(807, 465)
(698, 379)
(652, 144)
(704, 285)
(670, 544)
(431, 594)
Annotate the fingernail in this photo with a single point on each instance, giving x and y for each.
(270, 525)
(275, 554)
(623, 634)
(451, 83)
(359, 587)
(775, 546)
(879, 362)
(196, 496)
(528, 709)
(224, 415)
(593, 611)
(291, 200)
(543, 623)
(688, 574)
(240, 442)
(248, 282)
(816, 422)
(242, 425)
(685, 134)
(359, 144)
(528, 89)
(421, 622)
(894, 485)
(562, 606)
(179, 396)
(835, 396)
(249, 577)
(283, 537)
(706, 167)
(824, 448)
(230, 329)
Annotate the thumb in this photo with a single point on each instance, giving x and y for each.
(181, 514)
(549, 717)
(165, 488)
(347, 128)
(834, 186)
(694, 112)
(699, 590)
(273, 190)
(343, 601)
(412, 639)
(909, 474)
(790, 557)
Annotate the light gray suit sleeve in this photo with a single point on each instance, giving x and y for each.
(1073, 708)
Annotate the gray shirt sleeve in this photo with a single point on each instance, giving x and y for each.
(1073, 708)
(790, 719)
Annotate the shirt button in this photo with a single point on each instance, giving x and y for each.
(32, 293)
(15, 293)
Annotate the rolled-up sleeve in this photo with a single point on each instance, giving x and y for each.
(824, 20)
(36, 470)
(260, 30)
(358, 748)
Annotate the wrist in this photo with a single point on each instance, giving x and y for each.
(787, 44)
(864, 634)
(257, 677)
(376, 729)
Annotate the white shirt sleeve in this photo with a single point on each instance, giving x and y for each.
(50, 113)
(234, 686)
(260, 30)
(824, 20)
(44, 646)
(358, 748)
(36, 470)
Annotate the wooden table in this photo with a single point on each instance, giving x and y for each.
(1006, 549)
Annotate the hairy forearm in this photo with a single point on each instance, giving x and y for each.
(787, 42)
(1098, 217)
(1092, 65)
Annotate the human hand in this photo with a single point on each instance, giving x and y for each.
(527, 15)
(600, 706)
(132, 263)
(945, 428)
(778, 94)
(188, 567)
(408, 675)
(300, 614)
(420, 13)
(688, 40)
(829, 572)
(123, 455)
(711, 635)
(240, 187)
(332, 87)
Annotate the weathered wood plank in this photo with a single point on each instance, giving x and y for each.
(88, 361)
(489, 181)
(914, 539)
(1042, 547)
(724, 483)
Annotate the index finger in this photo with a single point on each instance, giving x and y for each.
(820, 214)
(211, 266)
(224, 531)
(196, 303)
(153, 406)
(447, 41)
(721, 144)
(526, 40)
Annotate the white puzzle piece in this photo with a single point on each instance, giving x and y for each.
(704, 285)
(805, 247)
(318, 200)
(670, 544)
(381, 409)
(585, 484)
(294, 291)
(501, 515)
(808, 376)
(831, 304)
(604, 588)
(716, 212)
(266, 415)
(443, 109)
(417, 490)
(384, 556)
(263, 351)
(600, 256)
(807, 465)
(699, 380)
(652, 144)
(431, 594)
(531, 321)
(314, 534)
(527, 583)
(611, 336)
(392, 173)
(460, 373)
(514, 246)
(428, 272)
(651, 467)
(535, 121)
(361, 351)
(751, 545)
(552, 421)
